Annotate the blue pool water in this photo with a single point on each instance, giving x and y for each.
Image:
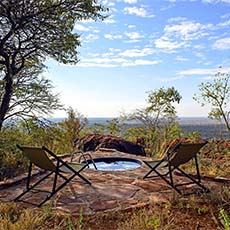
(114, 164)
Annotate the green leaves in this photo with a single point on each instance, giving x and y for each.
(160, 109)
(162, 101)
(224, 218)
(31, 31)
(32, 94)
(216, 93)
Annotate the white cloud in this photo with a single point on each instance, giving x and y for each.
(141, 62)
(132, 41)
(131, 26)
(181, 59)
(199, 47)
(81, 27)
(130, 1)
(180, 33)
(111, 62)
(224, 24)
(110, 20)
(114, 50)
(90, 38)
(113, 36)
(116, 58)
(167, 45)
(204, 1)
(107, 3)
(95, 30)
(187, 30)
(138, 11)
(106, 60)
(206, 73)
(86, 29)
(137, 52)
(199, 71)
(87, 21)
(200, 55)
(222, 44)
(177, 19)
(225, 16)
(92, 64)
(133, 35)
(216, 1)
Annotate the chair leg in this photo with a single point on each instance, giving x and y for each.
(79, 175)
(29, 176)
(152, 169)
(56, 190)
(197, 169)
(170, 175)
(168, 182)
(147, 174)
(83, 178)
(31, 187)
(55, 177)
(195, 181)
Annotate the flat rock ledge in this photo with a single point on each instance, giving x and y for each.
(110, 191)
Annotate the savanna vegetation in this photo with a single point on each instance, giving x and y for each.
(208, 211)
(203, 212)
(33, 30)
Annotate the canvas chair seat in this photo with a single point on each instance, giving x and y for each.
(177, 156)
(156, 162)
(76, 166)
(55, 166)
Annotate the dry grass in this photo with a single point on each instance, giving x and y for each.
(210, 211)
(14, 218)
(205, 212)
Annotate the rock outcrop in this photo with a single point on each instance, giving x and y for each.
(93, 142)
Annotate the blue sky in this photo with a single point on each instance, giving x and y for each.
(144, 45)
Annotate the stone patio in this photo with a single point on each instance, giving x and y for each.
(109, 191)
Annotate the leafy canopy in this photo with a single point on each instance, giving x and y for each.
(216, 93)
(31, 31)
(160, 108)
(41, 28)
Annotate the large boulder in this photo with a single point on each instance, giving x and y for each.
(93, 142)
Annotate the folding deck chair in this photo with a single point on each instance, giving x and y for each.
(56, 166)
(176, 156)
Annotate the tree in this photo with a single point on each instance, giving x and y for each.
(217, 94)
(32, 95)
(32, 30)
(114, 126)
(160, 108)
(158, 119)
(72, 127)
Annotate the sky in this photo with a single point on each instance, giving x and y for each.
(141, 46)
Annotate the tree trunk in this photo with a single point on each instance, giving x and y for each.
(224, 117)
(5, 102)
